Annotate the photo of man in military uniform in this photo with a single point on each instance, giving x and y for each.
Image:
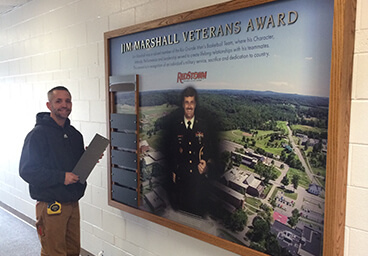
(190, 163)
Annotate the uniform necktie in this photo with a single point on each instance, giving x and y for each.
(189, 123)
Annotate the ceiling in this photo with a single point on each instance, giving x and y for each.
(9, 5)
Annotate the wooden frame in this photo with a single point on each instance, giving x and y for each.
(339, 121)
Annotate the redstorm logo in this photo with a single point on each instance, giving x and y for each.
(191, 76)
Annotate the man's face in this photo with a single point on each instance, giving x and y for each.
(189, 106)
(60, 105)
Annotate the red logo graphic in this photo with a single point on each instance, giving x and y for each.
(191, 76)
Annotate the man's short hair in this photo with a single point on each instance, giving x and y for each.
(57, 88)
(189, 92)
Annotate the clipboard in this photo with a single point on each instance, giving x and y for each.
(90, 157)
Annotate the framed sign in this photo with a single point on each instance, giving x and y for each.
(230, 123)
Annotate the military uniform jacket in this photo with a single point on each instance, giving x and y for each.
(191, 145)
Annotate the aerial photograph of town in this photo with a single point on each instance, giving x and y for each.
(268, 193)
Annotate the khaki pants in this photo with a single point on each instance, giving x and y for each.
(60, 233)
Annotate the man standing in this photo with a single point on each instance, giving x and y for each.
(50, 152)
(190, 160)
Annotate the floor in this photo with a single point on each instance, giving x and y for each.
(17, 237)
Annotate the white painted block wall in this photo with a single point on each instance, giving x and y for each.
(356, 235)
(50, 42)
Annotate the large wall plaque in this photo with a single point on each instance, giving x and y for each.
(263, 169)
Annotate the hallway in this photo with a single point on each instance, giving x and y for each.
(17, 238)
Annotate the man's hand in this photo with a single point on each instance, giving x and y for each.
(100, 157)
(202, 167)
(70, 178)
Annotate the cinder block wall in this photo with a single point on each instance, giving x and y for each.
(356, 235)
(47, 43)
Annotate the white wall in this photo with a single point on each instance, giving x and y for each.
(51, 42)
(356, 234)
